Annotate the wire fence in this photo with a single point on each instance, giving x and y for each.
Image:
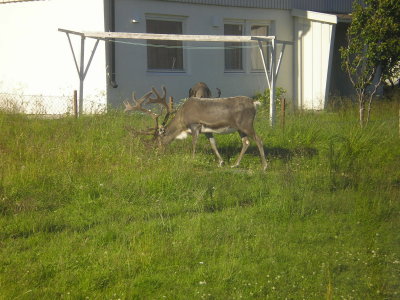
(60, 106)
(46, 105)
(36, 104)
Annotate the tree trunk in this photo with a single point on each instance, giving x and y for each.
(362, 110)
(369, 110)
(361, 102)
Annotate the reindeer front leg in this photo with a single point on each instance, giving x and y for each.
(211, 138)
(195, 130)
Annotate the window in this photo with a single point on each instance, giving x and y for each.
(256, 60)
(169, 57)
(233, 51)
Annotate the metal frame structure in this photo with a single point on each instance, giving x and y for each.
(271, 73)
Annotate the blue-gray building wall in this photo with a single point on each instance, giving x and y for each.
(327, 6)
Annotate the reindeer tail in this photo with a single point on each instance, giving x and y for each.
(256, 104)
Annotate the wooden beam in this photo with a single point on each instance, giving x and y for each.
(73, 52)
(90, 59)
(170, 37)
(279, 61)
(271, 78)
(81, 75)
(71, 31)
(260, 45)
(272, 90)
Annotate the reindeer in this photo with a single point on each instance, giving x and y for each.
(208, 116)
(201, 90)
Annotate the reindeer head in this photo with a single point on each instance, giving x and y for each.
(159, 129)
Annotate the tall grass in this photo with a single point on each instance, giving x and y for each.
(87, 211)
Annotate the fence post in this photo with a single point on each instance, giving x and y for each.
(75, 104)
(171, 103)
(283, 112)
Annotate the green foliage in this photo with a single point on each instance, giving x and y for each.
(87, 211)
(373, 48)
(264, 97)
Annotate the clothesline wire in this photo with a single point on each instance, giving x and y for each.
(186, 47)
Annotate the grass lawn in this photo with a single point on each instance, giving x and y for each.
(88, 212)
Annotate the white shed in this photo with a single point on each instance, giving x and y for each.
(37, 67)
(37, 73)
(314, 36)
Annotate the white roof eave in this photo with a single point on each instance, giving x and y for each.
(315, 16)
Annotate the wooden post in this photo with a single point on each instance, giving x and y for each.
(283, 112)
(171, 103)
(272, 92)
(82, 71)
(81, 75)
(271, 74)
(75, 104)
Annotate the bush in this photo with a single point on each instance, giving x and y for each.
(264, 97)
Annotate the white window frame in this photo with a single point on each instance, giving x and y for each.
(173, 18)
(269, 26)
(246, 53)
(243, 24)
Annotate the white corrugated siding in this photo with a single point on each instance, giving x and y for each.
(313, 44)
(337, 6)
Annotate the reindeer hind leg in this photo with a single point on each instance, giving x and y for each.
(261, 150)
(245, 146)
(252, 134)
(211, 138)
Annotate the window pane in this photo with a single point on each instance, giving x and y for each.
(169, 57)
(256, 61)
(233, 56)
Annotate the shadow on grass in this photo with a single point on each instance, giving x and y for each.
(228, 151)
(273, 152)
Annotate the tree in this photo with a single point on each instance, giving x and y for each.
(373, 51)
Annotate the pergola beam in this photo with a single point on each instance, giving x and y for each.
(270, 74)
(170, 37)
(81, 69)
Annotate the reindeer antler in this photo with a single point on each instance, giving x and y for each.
(138, 105)
(163, 101)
